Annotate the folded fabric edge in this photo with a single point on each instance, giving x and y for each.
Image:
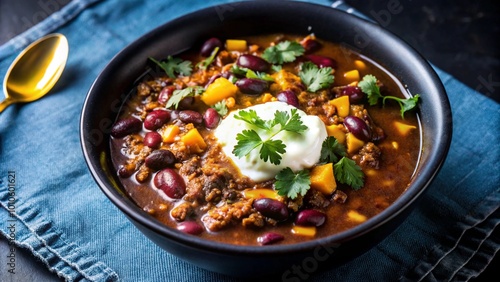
(46, 26)
(437, 254)
(46, 242)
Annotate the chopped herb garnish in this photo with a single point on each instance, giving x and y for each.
(203, 65)
(259, 75)
(180, 94)
(276, 68)
(369, 86)
(248, 73)
(174, 65)
(221, 108)
(283, 52)
(332, 150)
(270, 150)
(315, 78)
(348, 172)
(292, 184)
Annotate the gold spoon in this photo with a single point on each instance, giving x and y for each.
(35, 71)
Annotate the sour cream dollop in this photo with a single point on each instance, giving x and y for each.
(303, 150)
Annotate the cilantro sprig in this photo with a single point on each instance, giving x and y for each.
(283, 52)
(248, 73)
(203, 65)
(292, 184)
(174, 65)
(221, 108)
(270, 149)
(180, 94)
(346, 170)
(369, 86)
(315, 78)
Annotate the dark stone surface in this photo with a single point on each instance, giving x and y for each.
(458, 36)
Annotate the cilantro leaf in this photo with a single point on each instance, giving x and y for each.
(292, 184)
(283, 52)
(293, 124)
(221, 108)
(369, 86)
(332, 150)
(271, 149)
(247, 141)
(315, 78)
(174, 65)
(203, 65)
(252, 118)
(259, 75)
(180, 94)
(348, 172)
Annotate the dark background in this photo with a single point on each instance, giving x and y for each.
(459, 36)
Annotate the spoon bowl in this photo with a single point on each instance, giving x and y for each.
(36, 70)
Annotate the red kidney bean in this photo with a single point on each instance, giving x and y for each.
(270, 238)
(252, 86)
(186, 103)
(125, 127)
(190, 227)
(165, 94)
(170, 182)
(156, 118)
(311, 45)
(289, 97)
(124, 172)
(211, 118)
(322, 61)
(252, 62)
(209, 46)
(189, 116)
(271, 208)
(310, 218)
(358, 127)
(356, 96)
(152, 139)
(160, 159)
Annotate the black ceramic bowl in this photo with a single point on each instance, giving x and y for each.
(110, 90)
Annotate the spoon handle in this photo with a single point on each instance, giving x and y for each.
(5, 103)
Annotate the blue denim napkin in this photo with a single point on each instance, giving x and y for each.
(50, 205)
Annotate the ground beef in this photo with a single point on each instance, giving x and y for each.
(220, 217)
(254, 220)
(339, 197)
(316, 199)
(368, 156)
(181, 211)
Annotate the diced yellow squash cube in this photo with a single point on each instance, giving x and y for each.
(403, 128)
(352, 75)
(360, 65)
(309, 231)
(219, 90)
(353, 143)
(337, 131)
(236, 45)
(342, 105)
(356, 216)
(323, 179)
(260, 193)
(194, 141)
(169, 133)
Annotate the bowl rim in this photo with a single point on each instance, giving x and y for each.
(136, 214)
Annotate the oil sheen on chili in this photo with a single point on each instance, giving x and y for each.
(262, 140)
